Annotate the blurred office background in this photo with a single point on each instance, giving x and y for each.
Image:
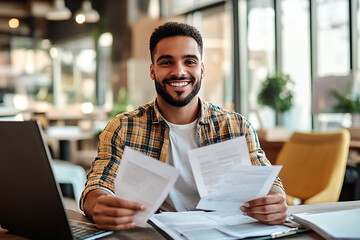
(78, 62)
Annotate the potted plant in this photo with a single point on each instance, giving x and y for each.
(277, 94)
(347, 103)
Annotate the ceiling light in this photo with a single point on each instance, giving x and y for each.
(59, 12)
(14, 23)
(80, 18)
(90, 14)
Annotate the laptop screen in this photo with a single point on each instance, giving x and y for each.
(30, 199)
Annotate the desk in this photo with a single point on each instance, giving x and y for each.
(150, 233)
(67, 137)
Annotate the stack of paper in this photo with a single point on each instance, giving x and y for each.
(332, 225)
(213, 226)
(225, 178)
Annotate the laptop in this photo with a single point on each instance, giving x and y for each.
(31, 202)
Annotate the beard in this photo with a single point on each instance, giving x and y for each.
(161, 90)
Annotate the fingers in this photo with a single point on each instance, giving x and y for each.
(269, 218)
(114, 224)
(269, 199)
(115, 214)
(271, 209)
(120, 203)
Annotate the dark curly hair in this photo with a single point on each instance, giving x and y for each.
(172, 29)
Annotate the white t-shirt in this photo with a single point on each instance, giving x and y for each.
(184, 195)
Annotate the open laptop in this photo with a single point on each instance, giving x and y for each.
(31, 202)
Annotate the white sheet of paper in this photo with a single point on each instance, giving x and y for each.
(239, 185)
(343, 224)
(230, 218)
(202, 225)
(210, 163)
(145, 180)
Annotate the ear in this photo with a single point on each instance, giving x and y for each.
(202, 70)
(152, 73)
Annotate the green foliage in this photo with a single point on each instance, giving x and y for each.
(122, 103)
(346, 103)
(276, 92)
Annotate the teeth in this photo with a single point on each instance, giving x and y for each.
(178, 84)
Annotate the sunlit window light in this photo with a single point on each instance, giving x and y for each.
(106, 39)
(87, 107)
(21, 102)
(54, 53)
(14, 23)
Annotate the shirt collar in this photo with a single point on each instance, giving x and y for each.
(158, 117)
(203, 108)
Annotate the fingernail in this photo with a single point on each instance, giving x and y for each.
(247, 204)
(142, 207)
(133, 224)
(245, 214)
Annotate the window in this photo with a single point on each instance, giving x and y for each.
(295, 60)
(215, 27)
(261, 54)
(333, 38)
(76, 79)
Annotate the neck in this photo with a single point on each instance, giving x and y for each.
(179, 115)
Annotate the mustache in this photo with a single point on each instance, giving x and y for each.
(172, 78)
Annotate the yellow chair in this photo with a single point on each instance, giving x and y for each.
(314, 166)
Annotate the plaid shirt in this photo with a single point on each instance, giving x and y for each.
(145, 130)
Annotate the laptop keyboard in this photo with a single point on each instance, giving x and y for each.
(83, 230)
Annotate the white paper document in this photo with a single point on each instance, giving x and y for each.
(210, 163)
(343, 224)
(145, 180)
(239, 185)
(202, 225)
(225, 178)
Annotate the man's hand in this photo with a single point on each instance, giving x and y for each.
(271, 209)
(111, 213)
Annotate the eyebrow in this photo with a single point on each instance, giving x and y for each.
(171, 57)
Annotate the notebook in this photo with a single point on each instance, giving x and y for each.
(31, 202)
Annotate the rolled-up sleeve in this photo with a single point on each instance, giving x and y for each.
(257, 155)
(104, 168)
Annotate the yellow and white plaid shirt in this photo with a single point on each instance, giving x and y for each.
(145, 130)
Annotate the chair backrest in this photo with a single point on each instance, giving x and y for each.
(313, 162)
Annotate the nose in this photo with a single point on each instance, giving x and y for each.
(179, 70)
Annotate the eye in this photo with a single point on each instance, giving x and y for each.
(165, 62)
(190, 62)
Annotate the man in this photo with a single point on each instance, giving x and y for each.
(178, 120)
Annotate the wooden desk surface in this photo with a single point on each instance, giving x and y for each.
(150, 233)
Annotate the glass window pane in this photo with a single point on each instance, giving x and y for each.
(30, 72)
(172, 7)
(358, 34)
(296, 60)
(261, 54)
(78, 68)
(215, 27)
(333, 43)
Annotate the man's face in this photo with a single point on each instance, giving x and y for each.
(177, 70)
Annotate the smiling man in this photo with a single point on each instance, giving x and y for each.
(165, 129)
